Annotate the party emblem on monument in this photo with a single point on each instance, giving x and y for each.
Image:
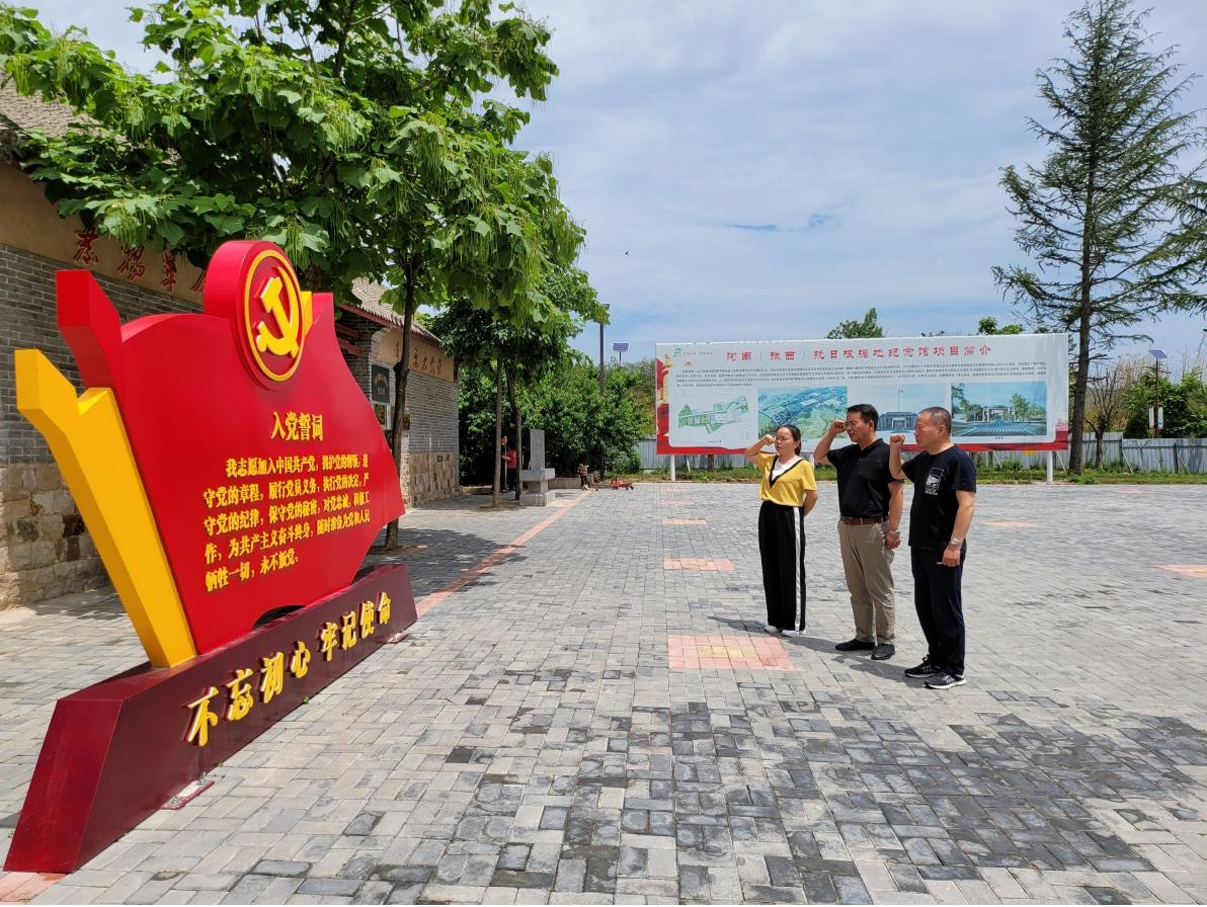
(233, 475)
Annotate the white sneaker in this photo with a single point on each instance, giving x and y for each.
(774, 631)
(795, 634)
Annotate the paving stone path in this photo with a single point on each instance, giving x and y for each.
(598, 718)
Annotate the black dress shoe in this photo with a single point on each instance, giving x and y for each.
(854, 645)
(884, 651)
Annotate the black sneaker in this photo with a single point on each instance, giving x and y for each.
(941, 680)
(884, 651)
(926, 669)
(854, 645)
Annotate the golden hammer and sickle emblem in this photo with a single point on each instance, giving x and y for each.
(293, 317)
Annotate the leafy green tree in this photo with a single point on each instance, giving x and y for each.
(504, 272)
(234, 137)
(644, 391)
(868, 327)
(358, 135)
(1184, 403)
(565, 403)
(578, 424)
(1110, 218)
(517, 356)
(989, 325)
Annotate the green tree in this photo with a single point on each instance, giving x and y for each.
(1109, 218)
(989, 325)
(517, 356)
(1184, 404)
(644, 391)
(578, 423)
(1021, 407)
(565, 403)
(358, 135)
(229, 140)
(868, 327)
(505, 271)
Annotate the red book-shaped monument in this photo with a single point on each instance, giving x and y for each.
(233, 475)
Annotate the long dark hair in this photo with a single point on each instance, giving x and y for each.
(795, 434)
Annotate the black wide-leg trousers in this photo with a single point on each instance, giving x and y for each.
(782, 549)
(939, 602)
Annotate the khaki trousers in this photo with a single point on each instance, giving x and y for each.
(869, 569)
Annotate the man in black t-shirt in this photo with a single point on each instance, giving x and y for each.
(944, 479)
(869, 501)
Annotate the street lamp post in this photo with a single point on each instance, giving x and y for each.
(601, 353)
(602, 464)
(1157, 422)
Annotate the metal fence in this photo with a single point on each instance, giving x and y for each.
(1134, 454)
(650, 459)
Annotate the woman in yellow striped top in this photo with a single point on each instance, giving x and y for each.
(788, 493)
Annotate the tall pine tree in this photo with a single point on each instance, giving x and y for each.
(1109, 219)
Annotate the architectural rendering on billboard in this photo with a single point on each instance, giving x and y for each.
(1005, 392)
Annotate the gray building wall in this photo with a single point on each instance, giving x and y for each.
(45, 550)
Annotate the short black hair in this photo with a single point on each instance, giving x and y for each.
(866, 411)
(938, 415)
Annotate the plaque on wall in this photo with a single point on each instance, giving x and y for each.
(379, 384)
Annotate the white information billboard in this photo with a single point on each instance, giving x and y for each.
(1008, 391)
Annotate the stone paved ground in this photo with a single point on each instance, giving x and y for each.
(597, 718)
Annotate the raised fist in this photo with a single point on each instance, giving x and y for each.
(896, 440)
(838, 425)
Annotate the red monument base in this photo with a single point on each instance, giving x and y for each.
(119, 750)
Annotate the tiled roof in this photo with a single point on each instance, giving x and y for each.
(368, 299)
(20, 115)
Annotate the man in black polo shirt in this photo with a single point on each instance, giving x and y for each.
(868, 531)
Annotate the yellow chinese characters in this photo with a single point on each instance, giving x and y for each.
(203, 718)
(343, 521)
(348, 631)
(272, 680)
(297, 426)
(299, 662)
(354, 626)
(262, 521)
(241, 699)
(243, 467)
(278, 560)
(328, 639)
(231, 495)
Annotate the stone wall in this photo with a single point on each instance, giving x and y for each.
(45, 549)
(429, 477)
(430, 449)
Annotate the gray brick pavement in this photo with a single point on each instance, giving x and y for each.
(530, 743)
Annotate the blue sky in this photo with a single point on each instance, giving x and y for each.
(767, 169)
